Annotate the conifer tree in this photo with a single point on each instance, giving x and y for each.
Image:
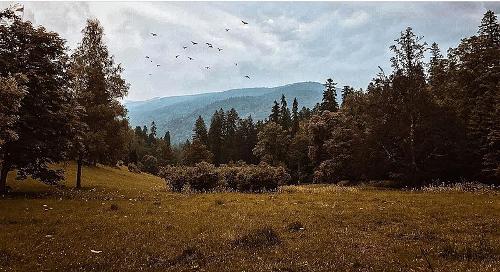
(285, 118)
(152, 134)
(295, 116)
(346, 91)
(329, 101)
(216, 136)
(98, 86)
(246, 135)
(200, 131)
(275, 113)
(166, 138)
(230, 140)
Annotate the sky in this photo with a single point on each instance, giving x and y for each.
(283, 42)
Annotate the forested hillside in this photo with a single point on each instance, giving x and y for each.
(178, 114)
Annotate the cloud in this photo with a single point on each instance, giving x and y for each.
(357, 18)
(284, 42)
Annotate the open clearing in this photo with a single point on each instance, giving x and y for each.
(122, 221)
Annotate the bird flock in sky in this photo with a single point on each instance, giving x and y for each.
(193, 44)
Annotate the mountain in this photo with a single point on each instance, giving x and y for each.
(178, 113)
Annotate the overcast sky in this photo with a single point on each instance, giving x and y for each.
(284, 42)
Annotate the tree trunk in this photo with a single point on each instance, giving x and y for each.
(3, 178)
(79, 173)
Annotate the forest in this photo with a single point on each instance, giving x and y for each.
(433, 118)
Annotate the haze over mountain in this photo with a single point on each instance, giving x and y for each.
(178, 114)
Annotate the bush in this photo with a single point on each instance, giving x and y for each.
(245, 178)
(202, 177)
(150, 164)
(227, 176)
(175, 176)
(262, 177)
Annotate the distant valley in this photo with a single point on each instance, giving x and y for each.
(177, 114)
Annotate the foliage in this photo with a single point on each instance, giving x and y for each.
(97, 85)
(196, 152)
(272, 144)
(46, 114)
(241, 177)
(149, 164)
(11, 95)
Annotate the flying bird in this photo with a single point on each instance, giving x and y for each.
(157, 65)
(147, 57)
(190, 58)
(227, 29)
(210, 46)
(149, 74)
(184, 47)
(220, 49)
(236, 64)
(177, 56)
(245, 23)
(194, 43)
(153, 34)
(208, 43)
(247, 77)
(207, 67)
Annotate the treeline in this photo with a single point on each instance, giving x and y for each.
(422, 122)
(425, 120)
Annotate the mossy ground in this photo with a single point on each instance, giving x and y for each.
(136, 224)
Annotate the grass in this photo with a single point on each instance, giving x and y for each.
(132, 223)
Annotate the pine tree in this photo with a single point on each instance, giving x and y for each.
(285, 117)
(475, 73)
(46, 116)
(231, 142)
(98, 86)
(166, 138)
(216, 136)
(346, 91)
(200, 131)
(489, 28)
(305, 113)
(295, 116)
(275, 113)
(246, 136)
(329, 101)
(152, 134)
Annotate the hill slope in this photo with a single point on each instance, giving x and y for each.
(121, 221)
(178, 113)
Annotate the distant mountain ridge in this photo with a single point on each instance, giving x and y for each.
(178, 113)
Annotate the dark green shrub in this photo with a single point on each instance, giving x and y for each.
(202, 177)
(149, 164)
(176, 177)
(262, 177)
(206, 177)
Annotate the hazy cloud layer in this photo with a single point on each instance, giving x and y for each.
(284, 42)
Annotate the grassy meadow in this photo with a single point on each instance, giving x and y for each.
(121, 221)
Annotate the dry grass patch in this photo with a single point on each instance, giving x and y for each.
(345, 229)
